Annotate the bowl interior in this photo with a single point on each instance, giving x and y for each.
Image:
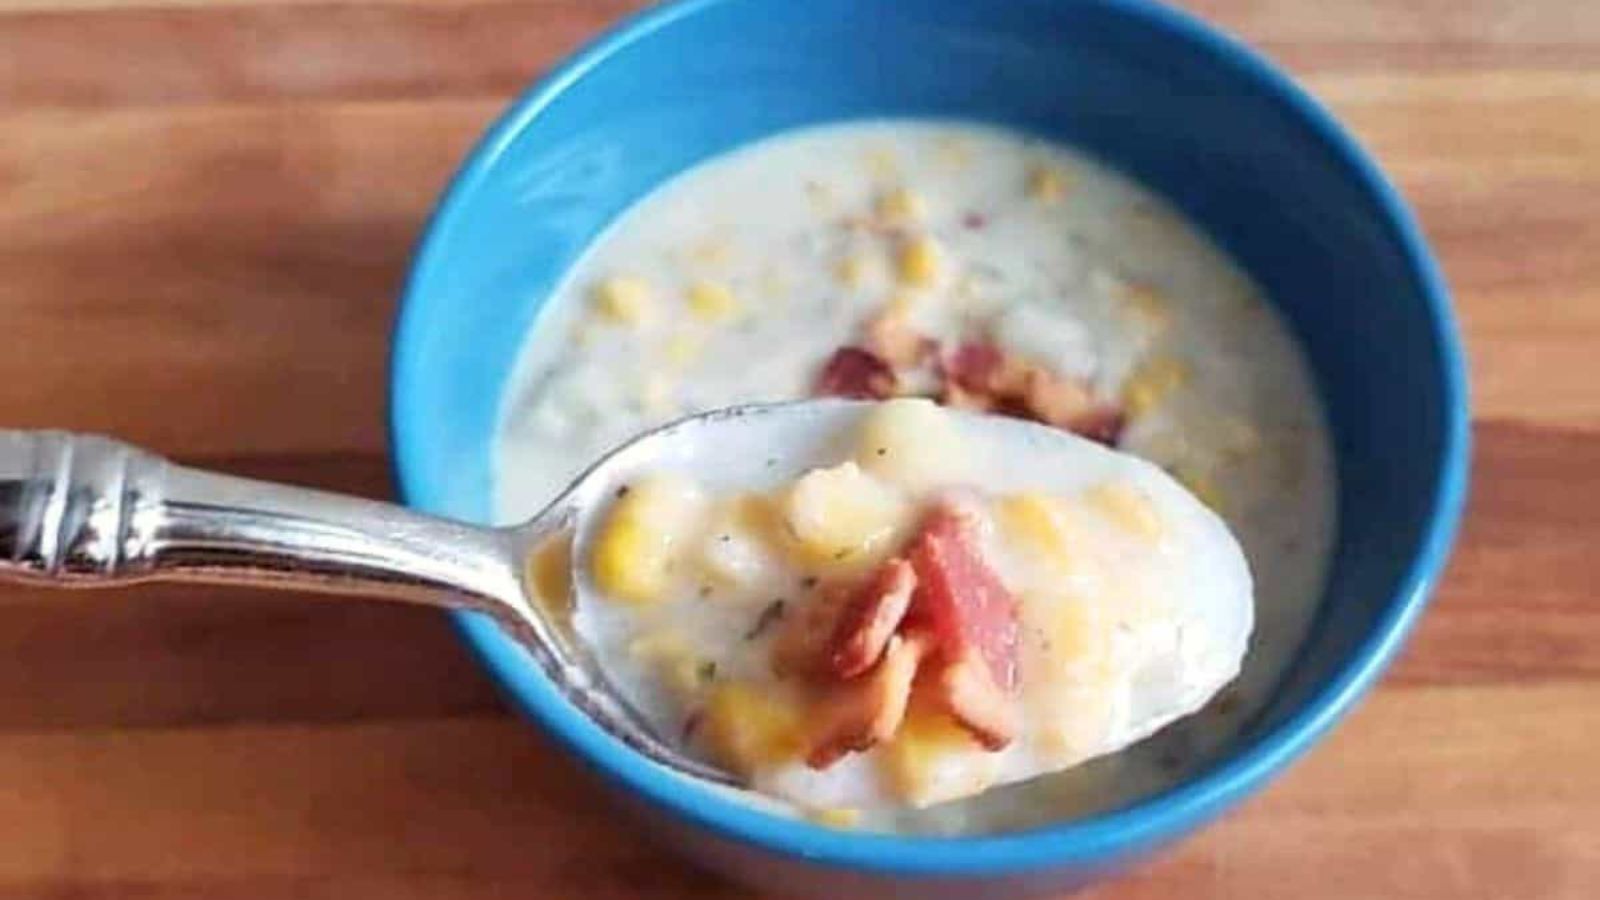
(1262, 169)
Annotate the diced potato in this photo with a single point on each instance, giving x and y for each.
(637, 552)
(1152, 383)
(747, 729)
(920, 262)
(1047, 184)
(740, 541)
(901, 205)
(550, 574)
(1127, 506)
(842, 515)
(1034, 523)
(623, 299)
(932, 759)
(913, 443)
(711, 301)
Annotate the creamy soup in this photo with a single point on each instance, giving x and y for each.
(986, 270)
(914, 608)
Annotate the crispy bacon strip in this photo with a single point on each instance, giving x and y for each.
(858, 374)
(869, 618)
(972, 618)
(867, 710)
(981, 376)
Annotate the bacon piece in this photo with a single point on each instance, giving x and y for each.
(867, 710)
(972, 617)
(981, 376)
(801, 647)
(870, 618)
(842, 631)
(856, 373)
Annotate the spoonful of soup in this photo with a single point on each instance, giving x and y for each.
(842, 605)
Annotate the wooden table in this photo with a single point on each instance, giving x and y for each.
(205, 214)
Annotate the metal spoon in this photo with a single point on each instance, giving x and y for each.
(87, 511)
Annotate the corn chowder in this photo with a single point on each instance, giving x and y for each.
(986, 271)
(930, 612)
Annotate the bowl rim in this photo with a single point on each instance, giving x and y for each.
(1095, 839)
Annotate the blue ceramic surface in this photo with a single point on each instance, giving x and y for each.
(1191, 113)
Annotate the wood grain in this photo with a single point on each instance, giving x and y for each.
(186, 743)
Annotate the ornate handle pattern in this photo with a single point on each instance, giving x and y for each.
(86, 510)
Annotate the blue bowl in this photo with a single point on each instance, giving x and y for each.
(1188, 111)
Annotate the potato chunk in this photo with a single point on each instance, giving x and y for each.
(841, 515)
(912, 443)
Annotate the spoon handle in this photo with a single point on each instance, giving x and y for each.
(82, 510)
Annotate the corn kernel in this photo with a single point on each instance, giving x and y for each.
(1047, 184)
(1033, 521)
(681, 350)
(623, 299)
(837, 816)
(1127, 506)
(913, 443)
(1152, 383)
(637, 551)
(931, 758)
(841, 515)
(550, 574)
(901, 205)
(711, 301)
(747, 729)
(920, 261)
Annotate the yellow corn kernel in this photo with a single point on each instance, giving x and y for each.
(1047, 184)
(623, 299)
(747, 729)
(843, 817)
(1034, 522)
(931, 758)
(1151, 384)
(550, 574)
(1127, 506)
(637, 551)
(841, 515)
(913, 443)
(1148, 305)
(901, 205)
(1201, 485)
(711, 301)
(920, 261)
(681, 350)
